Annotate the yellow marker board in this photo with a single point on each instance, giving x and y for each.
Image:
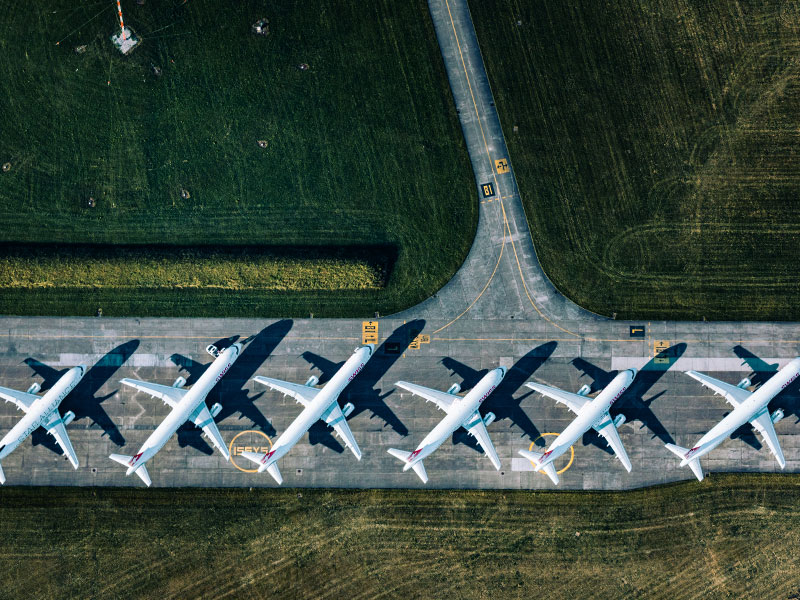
(502, 165)
(660, 346)
(369, 332)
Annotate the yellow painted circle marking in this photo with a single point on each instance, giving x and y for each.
(571, 455)
(230, 448)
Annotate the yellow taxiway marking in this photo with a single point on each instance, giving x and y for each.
(247, 448)
(571, 456)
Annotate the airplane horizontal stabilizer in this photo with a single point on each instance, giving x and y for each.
(122, 459)
(694, 465)
(536, 458)
(275, 472)
(253, 457)
(678, 451)
(2, 475)
(419, 469)
(143, 475)
(401, 454)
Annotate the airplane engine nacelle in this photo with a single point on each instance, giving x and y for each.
(489, 418)
(584, 391)
(347, 409)
(744, 383)
(212, 350)
(619, 420)
(34, 389)
(312, 381)
(776, 416)
(215, 409)
(179, 382)
(69, 416)
(454, 389)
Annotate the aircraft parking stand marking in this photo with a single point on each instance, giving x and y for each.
(232, 449)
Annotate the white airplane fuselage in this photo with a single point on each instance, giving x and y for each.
(312, 413)
(462, 409)
(187, 405)
(745, 411)
(41, 411)
(591, 415)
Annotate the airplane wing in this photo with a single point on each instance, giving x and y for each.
(573, 401)
(203, 419)
(170, 395)
(441, 399)
(763, 423)
(23, 400)
(56, 428)
(304, 394)
(734, 395)
(477, 429)
(335, 418)
(607, 429)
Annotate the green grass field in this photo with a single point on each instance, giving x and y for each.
(364, 147)
(657, 149)
(729, 537)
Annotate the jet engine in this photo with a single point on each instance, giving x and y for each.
(179, 382)
(69, 416)
(312, 381)
(744, 383)
(776, 416)
(347, 409)
(584, 391)
(212, 350)
(619, 420)
(489, 418)
(454, 389)
(215, 409)
(34, 389)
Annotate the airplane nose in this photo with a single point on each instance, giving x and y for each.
(502, 371)
(82, 368)
(633, 371)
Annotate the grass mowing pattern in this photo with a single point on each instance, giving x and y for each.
(657, 150)
(364, 147)
(226, 268)
(734, 538)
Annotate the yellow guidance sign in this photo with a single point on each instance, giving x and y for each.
(369, 332)
(502, 165)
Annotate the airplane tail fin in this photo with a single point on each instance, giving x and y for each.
(536, 458)
(272, 468)
(418, 467)
(2, 475)
(681, 453)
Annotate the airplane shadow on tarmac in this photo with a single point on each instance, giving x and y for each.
(502, 401)
(762, 371)
(363, 392)
(83, 400)
(231, 390)
(632, 404)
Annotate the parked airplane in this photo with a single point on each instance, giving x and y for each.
(42, 411)
(461, 412)
(319, 403)
(592, 414)
(186, 405)
(748, 406)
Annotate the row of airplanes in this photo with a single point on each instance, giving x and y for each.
(461, 411)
